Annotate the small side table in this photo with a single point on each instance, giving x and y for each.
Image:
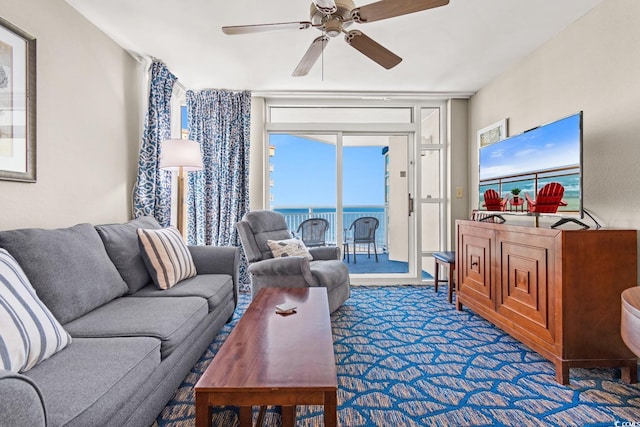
(516, 205)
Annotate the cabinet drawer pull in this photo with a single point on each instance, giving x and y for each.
(474, 263)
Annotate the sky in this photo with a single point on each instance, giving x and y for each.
(305, 173)
(551, 146)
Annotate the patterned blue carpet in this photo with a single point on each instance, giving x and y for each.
(406, 357)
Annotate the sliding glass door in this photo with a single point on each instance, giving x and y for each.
(359, 184)
(375, 186)
(342, 161)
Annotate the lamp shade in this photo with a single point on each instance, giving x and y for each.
(176, 153)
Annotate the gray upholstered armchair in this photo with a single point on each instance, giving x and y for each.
(326, 269)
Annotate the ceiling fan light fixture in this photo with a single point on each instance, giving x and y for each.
(333, 27)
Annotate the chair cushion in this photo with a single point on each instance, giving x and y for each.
(169, 319)
(29, 333)
(92, 378)
(121, 242)
(68, 267)
(217, 289)
(448, 257)
(288, 247)
(166, 256)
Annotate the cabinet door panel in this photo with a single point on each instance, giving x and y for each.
(475, 272)
(525, 294)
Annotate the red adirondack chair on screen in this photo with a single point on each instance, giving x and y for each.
(493, 201)
(548, 200)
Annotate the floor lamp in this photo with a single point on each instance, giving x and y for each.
(180, 155)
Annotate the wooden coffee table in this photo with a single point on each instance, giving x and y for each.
(270, 359)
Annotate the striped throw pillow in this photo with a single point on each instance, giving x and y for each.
(166, 256)
(29, 333)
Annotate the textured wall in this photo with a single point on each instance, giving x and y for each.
(594, 66)
(88, 122)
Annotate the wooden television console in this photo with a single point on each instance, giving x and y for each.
(557, 291)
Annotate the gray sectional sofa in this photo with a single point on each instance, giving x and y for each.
(132, 343)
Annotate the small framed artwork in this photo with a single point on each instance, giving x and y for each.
(17, 104)
(493, 133)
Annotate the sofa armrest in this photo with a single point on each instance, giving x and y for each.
(21, 403)
(218, 260)
(286, 272)
(325, 253)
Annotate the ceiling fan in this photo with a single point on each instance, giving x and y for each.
(333, 17)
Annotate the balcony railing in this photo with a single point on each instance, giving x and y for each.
(295, 216)
(531, 183)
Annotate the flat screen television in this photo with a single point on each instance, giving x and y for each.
(528, 161)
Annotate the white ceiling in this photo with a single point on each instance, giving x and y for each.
(453, 49)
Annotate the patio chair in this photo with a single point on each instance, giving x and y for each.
(312, 231)
(364, 232)
(493, 201)
(548, 200)
(326, 269)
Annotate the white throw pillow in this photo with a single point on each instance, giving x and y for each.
(288, 247)
(166, 256)
(29, 333)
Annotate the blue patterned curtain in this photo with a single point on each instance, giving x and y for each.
(152, 193)
(218, 196)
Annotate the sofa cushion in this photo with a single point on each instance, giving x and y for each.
(166, 256)
(288, 247)
(121, 243)
(29, 333)
(169, 319)
(217, 289)
(68, 267)
(93, 378)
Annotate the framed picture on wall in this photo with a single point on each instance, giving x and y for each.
(17, 104)
(492, 133)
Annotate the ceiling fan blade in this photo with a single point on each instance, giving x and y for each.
(326, 7)
(311, 56)
(259, 28)
(388, 9)
(372, 49)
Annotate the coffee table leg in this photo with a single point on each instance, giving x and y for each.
(246, 416)
(288, 416)
(330, 409)
(203, 412)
